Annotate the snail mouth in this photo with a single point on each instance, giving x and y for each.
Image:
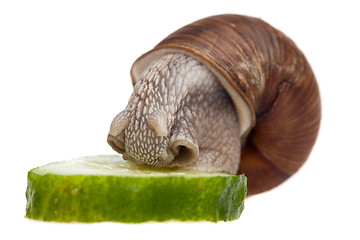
(116, 144)
(180, 152)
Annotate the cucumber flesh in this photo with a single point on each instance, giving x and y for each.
(107, 188)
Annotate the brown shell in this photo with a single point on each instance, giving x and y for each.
(273, 78)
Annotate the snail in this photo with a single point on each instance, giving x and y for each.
(225, 93)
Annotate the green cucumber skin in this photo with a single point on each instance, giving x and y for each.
(77, 198)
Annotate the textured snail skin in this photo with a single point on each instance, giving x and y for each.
(179, 115)
(272, 86)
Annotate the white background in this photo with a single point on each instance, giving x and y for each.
(64, 72)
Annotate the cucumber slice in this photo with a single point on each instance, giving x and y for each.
(107, 188)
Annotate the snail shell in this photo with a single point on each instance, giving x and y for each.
(263, 69)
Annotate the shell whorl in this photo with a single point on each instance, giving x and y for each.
(273, 79)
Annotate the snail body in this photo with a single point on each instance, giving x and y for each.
(225, 93)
